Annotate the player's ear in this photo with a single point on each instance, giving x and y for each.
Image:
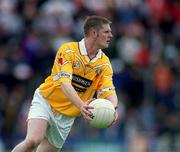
(94, 33)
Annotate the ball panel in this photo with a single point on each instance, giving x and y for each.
(102, 121)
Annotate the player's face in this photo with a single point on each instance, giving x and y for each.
(104, 36)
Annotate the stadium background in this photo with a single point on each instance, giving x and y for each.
(145, 55)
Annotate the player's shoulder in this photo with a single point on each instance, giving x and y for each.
(69, 45)
(105, 58)
(105, 61)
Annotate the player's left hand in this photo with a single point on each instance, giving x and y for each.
(116, 118)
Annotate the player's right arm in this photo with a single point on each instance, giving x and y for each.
(70, 92)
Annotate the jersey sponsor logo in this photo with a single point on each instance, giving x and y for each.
(81, 81)
(62, 75)
(78, 89)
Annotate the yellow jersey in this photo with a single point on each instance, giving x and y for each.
(89, 77)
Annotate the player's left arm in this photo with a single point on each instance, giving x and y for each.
(106, 87)
(113, 98)
(107, 90)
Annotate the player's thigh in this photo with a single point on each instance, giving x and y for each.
(45, 146)
(36, 129)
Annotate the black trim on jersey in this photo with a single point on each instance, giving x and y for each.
(78, 89)
(81, 81)
(95, 95)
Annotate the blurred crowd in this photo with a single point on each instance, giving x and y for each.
(145, 56)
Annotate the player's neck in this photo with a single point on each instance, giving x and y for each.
(91, 48)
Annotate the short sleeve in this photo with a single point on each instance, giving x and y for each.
(62, 69)
(106, 86)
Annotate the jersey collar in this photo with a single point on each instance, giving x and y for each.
(83, 51)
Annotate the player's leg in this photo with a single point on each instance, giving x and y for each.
(35, 134)
(45, 146)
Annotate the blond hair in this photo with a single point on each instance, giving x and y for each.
(95, 22)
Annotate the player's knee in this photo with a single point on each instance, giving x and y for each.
(32, 143)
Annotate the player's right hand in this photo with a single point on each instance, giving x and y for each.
(85, 110)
